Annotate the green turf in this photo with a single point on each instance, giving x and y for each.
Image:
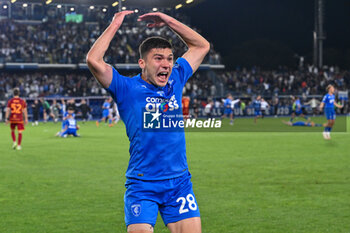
(244, 181)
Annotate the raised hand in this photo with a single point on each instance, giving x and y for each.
(118, 17)
(158, 19)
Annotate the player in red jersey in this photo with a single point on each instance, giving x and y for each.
(186, 107)
(16, 108)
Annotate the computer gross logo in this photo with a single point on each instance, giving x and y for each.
(155, 104)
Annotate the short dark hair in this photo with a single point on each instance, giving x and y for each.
(154, 42)
(71, 108)
(16, 92)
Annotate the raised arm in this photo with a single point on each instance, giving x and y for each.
(99, 68)
(198, 47)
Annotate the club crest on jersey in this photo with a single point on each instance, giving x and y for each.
(136, 210)
(161, 93)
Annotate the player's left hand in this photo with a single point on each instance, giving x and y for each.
(159, 19)
(26, 122)
(6, 122)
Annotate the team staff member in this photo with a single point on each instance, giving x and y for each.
(16, 108)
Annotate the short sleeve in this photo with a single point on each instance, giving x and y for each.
(324, 99)
(184, 69)
(118, 86)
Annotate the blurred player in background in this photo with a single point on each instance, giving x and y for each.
(303, 123)
(64, 119)
(314, 103)
(298, 109)
(228, 108)
(106, 114)
(264, 107)
(115, 113)
(195, 108)
(71, 125)
(36, 112)
(186, 107)
(85, 109)
(46, 110)
(15, 111)
(55, 109)
(328, 103)
(208, 110)
(257, 108)
(158, 179)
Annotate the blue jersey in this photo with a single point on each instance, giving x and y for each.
(328, 101)
(227, 103)
(257, 105)
(297, 105)
(106, 105)
(153, 155)
(71, 123)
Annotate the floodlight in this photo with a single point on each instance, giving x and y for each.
(91, 7)
(25, 5)
(115, 3)
(59, 6)
(178, 6)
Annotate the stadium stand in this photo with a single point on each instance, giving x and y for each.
(41, 35)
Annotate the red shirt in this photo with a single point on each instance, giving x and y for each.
(16, 105)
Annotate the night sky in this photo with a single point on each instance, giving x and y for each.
(230, 23)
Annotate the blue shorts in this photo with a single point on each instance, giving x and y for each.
(173, 198)
(258, 113)
(105, 113)
(330, 113)
(227, 111)
(298, 112)
(70, 132)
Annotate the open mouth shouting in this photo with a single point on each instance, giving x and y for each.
(162, 77)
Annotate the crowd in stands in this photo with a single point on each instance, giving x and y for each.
(48, 38)
(283, 81)
(55, 41)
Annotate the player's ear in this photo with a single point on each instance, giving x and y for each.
(142, 63)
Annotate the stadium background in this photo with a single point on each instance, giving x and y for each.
(44, 56)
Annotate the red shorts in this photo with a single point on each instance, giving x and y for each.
(20, 126)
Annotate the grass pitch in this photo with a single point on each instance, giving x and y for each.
(243, 181)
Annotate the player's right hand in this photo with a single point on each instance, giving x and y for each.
(118, 17)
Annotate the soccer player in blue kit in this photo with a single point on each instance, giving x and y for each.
(298, 109)
(228, 108)
(328, 102)
(105, 112)
(257, 108)
(157, 176)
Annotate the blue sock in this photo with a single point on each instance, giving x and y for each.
(329, 129)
